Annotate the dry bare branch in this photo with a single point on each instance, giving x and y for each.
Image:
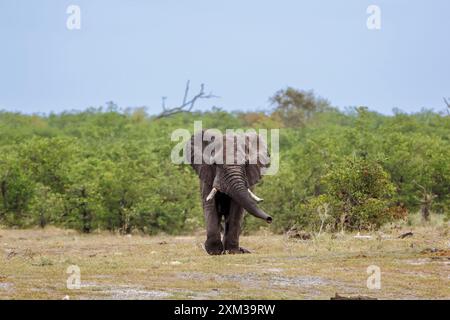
(448, 105)
(188, 104)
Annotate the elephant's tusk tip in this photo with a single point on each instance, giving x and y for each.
(255, 197)
(211, 194)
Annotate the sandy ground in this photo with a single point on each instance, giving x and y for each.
(43, 264)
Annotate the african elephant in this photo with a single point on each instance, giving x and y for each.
(234, 164)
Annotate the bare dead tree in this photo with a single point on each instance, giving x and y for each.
(448, 105)
(426, 201)
(187, 105)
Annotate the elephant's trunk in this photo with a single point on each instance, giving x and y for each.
(243, 197)
(234, 185)
(249, 204)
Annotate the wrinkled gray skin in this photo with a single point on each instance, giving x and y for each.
(232, 182)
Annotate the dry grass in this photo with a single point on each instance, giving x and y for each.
(33, 265)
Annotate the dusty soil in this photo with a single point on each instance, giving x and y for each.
(34, 265)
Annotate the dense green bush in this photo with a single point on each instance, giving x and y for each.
(111, 170)
(360, 194)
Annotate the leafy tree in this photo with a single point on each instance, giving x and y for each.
(295, 108)
(16, 191)
(45, 207)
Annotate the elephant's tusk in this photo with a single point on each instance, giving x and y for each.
(254, 196)
(211, 194)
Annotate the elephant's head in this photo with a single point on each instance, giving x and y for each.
(230, 164)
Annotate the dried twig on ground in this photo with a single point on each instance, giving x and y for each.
(358, 236)
(339, 297)
(295, 233)
(407, 234)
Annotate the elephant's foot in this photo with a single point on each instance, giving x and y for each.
(214, 247)
(239, 250)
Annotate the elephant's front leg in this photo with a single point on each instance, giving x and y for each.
(233, 222)
(213, 243)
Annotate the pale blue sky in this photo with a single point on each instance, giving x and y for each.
(133, 52)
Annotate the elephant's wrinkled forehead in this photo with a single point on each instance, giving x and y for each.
(231, 149)
(213, 147)
(235, 141)
(235, 149)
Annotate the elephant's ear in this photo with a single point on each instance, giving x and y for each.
(194, 156)
(258, 156)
